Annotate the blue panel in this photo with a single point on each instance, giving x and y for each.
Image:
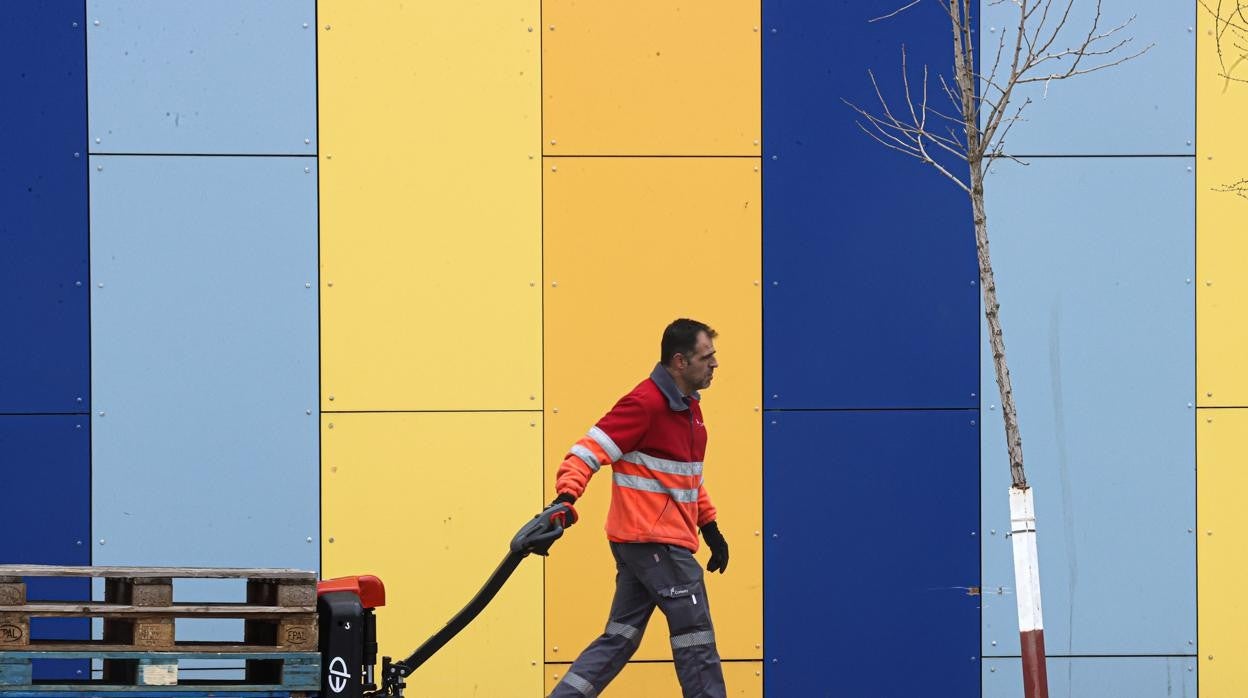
(46, 479)
(868, 255)
(204, 334)
(1137, 677)
(43, 209)
(1144, 106)
(870, 553)
(1094, 267)
(181, 76)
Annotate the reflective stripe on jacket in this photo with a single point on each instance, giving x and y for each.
(654, 441)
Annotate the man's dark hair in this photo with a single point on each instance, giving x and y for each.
(681, 337)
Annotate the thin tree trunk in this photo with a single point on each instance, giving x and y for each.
(996, 339)
(1022, 509)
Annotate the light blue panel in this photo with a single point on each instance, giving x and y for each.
(204, 358)
(182, 76)
(1144, 106)
(1128, 677)
(1094, 259)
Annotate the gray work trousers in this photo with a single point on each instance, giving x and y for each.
(649, 575)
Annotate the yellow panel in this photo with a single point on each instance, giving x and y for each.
(651, 78)
(429, 502)
(1221, 247)
(632, 244)
(430, 135)
(1222, 560)
(743, 680)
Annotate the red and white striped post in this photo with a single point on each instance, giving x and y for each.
(1027, 583)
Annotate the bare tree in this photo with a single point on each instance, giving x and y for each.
(1230, 32)
(1043, 47)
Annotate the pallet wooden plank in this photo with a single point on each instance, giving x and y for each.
(14, 672)
(12, 593)
(157, 672)
(214, 690)
(97, 647)
(76, 691)
(174, 572)
(52, 609)
(14, 629)
(255, 653)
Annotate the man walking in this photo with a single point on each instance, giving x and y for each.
(654, 440)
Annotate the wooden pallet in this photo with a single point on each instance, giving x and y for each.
(139, 649)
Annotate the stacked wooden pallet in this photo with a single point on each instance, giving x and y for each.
(140, 652)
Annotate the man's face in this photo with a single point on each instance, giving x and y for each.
(698, 368)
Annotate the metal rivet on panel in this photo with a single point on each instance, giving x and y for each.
(758, 533)
(756, 142)
(556, 410)
(307, 411)
(77, 542)
(532, 397)
(101, 413)
(307, 170)
(775, 157)
(326, 27)
(99, 168)
(77, 155)
(97, 22)
(309, 537)
(331, 398)
(1208, 394)
(552, 27)
(307, 284)
(552, 142)
(331, 425)
(554, 284)
(101, 541)
(331, 539)
(305, 25)
(100, 285)
(75, 25)
(554, 168)
(530, 28)
(307, 141)
(97, 140)
(78, 283)
(331, 284)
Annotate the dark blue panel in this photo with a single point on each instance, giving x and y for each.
(871, 521)
(868, 255)
(44, 360)
(46, 480)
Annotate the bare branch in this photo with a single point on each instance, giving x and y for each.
(1239, 188)
(896, 12)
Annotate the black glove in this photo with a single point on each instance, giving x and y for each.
(570, 516)
(719, 548)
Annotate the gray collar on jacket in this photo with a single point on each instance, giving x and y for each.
(667, 385)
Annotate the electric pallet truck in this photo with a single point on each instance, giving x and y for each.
(348, 627)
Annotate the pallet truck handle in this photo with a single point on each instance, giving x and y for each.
(536, 536)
